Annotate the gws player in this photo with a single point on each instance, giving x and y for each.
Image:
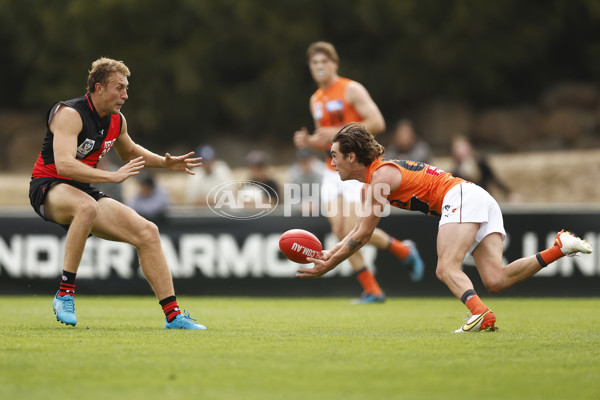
(470, 221)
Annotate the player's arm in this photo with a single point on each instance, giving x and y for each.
(361, 100)
(375, 199)
(326, 254)
(372, 211)
(129, 150)
(357, 238)
(65, 126)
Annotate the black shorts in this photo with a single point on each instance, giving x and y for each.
(38, 189)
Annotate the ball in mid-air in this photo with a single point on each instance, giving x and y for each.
(298, 244)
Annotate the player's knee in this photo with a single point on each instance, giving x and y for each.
(149, 234)
(493, 284)
(441, 272)
(446, 271)
(87, 210)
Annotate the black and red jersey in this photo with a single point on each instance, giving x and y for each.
(96, 138)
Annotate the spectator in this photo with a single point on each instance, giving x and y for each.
(258, 163)
(151, 200)
(406, 145)
(474, 167)
(213, 173)
(306, 171)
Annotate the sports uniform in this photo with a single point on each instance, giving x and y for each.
(96, 138)
(102, 124)
(330, 108)
(434, 192)
(460, 205)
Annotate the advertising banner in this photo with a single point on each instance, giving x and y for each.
(212, 255)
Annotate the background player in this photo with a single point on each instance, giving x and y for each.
(470, 221)
(337, 102)
(80, 132)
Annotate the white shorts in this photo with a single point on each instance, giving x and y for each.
(468, 202)
(332, 187)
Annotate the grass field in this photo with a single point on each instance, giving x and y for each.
(259, 348)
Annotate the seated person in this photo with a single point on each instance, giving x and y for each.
(258, 164)
(151, 200)
(474, 167)
(212, 173)
(406, 145)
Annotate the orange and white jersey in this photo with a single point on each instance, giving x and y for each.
(330, 108)
(422, 188)
(329, 105)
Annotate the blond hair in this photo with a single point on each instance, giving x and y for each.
(324, 48)
(102, 69)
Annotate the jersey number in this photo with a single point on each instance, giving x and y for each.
(418, 166)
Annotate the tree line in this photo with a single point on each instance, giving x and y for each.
(238, 66)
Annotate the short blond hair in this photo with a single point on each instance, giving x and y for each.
(324, 48)
(101, 70)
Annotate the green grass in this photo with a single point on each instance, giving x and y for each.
(257, 348)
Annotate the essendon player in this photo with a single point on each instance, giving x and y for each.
(80, 132)
(336, 102)
(470, 221)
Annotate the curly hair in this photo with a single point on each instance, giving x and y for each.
(355, 138)
(101, 70)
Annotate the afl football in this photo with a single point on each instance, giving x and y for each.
(298, 244)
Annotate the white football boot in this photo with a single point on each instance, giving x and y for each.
(570, 244)
(479, 322)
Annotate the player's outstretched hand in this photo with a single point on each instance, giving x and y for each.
(133, 167)
(320, 268)
(182, 163)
